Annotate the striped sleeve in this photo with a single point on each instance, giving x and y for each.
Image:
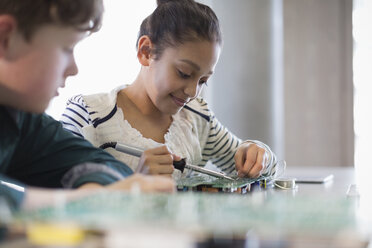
(221, 146)
(76, 115)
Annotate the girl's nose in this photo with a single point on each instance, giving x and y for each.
(192, 90)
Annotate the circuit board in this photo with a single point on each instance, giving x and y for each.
(211, 184)
(206, 212)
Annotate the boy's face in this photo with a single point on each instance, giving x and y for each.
(34, 70)
(178, 76)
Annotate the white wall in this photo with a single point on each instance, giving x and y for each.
(247, 88)
(107, 58)
(362, 34)
(318, 82)
(307, 118)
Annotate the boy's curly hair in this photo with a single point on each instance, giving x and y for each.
(84, 15)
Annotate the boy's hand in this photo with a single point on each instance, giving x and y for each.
(143, 183)
(38, 197)
(250, 160)
(157, 161)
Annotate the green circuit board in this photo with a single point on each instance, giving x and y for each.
(207, 212)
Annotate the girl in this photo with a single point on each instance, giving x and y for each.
(178, 47)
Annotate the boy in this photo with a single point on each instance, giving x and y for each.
(37, 38)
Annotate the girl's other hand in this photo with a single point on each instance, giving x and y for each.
(250, 160)
(157, 161)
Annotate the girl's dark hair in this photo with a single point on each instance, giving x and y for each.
(84, 15)
(175, 22)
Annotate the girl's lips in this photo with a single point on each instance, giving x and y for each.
(179, 102)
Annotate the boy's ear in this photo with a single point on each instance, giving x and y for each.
(7, 26)
(144, 49)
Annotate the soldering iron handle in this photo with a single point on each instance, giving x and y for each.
(134, 151)
(179, 165)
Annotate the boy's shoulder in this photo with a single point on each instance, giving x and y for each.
(20, 118)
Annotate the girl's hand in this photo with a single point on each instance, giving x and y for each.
(157, 161)
(250, 160)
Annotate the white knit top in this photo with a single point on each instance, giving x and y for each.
(195, 133)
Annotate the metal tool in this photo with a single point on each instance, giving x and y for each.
(179, 165)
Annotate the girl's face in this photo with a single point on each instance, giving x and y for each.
(179, 74)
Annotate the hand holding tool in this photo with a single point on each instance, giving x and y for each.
(179, 165)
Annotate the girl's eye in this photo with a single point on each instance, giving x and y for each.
(183, 75)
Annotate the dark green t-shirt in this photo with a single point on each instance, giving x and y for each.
(36, 151)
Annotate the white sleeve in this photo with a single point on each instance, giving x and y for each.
(76, 115)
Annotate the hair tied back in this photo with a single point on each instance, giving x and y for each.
(175, 22)
(160, 2)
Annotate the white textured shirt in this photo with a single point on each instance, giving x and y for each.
(195, 133)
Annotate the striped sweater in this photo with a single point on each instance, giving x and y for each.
(195, 133)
